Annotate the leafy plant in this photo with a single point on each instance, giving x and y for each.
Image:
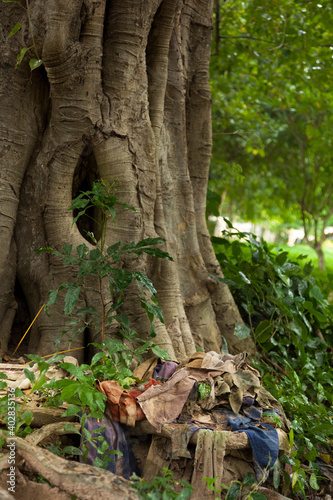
(15, 416)
(272, 114)
(115, 356)
(34, 62)
(290, 320)
(103, 264)
(237, 489)
(301, 478)
(162, 488)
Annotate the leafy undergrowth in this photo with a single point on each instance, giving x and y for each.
(324, 277)
(290, 319)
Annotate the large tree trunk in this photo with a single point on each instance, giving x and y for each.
(123, 94)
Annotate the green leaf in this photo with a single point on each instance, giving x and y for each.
(69, 390)
(14, 1)
(316, 293)
(35, 358)
(53, 449)
(30, 375)
(257, 496)
(294, 479)
(71, 450)
(153, 309)
(123, 320)
(287, 281)
(302, 287)
(82, 212)
(233, 492)
(217, 240)
(325, 428)
(228, 223)
(94, 254)
(82, 250)
(96, 358)
(313, 481)
(71, 299)
(185, 493)
(249, 479)
(35, 63)
(263, 331)
(27, 417)
(242, 331)
(74, 370)
(16, 28)
(79, 202)
(213, 202)
(20, 57)
(115, 345)
(149, 242)
(143, 348)
(204, 390)
(276, 478)
(161, 353)
(228, 281)
(309, 306)
(72, 410)
(281, 258)
(122, 278)
(147, 283)
(113, 249)
(281, 305)
(308, 268)
(40, 382)
(157, 252)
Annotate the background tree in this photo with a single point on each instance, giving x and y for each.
(271, 83)
(123, 93)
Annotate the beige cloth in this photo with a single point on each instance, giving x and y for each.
(224, 362)
(145, 370)
(208, 462)
(163, 403)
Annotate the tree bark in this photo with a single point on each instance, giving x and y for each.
(123, 94)
(320, 253)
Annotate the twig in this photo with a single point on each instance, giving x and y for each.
(321, 337)
(274, 364)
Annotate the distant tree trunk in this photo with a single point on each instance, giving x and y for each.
(123, 94)
(321, 260)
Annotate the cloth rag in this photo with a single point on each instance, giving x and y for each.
(264, 443)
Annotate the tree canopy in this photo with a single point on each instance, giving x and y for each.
(271, 74)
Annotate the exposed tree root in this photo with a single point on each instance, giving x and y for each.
(57, 428)
(82, 480)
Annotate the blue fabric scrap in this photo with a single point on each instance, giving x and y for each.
(264, 443)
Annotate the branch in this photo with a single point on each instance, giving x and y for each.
(283, 36)
(248, 37)
(275, 365)
(217, 25)
(321, 337)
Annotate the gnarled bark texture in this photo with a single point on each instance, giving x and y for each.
(123, 94)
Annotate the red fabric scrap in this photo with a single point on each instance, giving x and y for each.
(122, 403)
